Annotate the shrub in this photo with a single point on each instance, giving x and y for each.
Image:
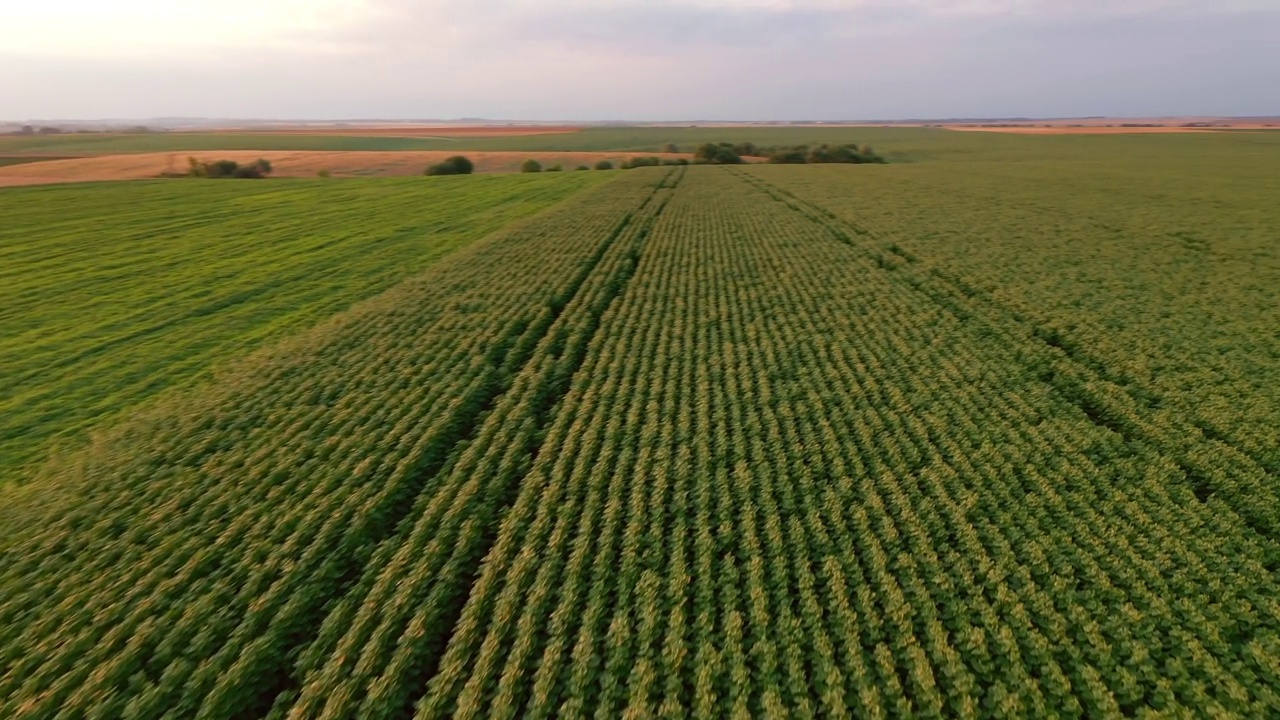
(221, 168)
(646, 161)
(788, 157)
(670, 148)
(257, 169)
(456, 165)
(849, 153)
(716, 154)
(582, 167)
(323, 174)
(554, 168)
(531, 166)
(604, 165)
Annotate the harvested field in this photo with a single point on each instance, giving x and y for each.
(293, 164)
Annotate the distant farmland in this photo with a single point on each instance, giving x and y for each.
(986, 434)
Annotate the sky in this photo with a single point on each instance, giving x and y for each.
(644, 60)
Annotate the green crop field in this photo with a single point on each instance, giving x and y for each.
(112, 293)
(986, 434)
(901, 144)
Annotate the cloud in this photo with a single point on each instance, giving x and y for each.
(657, 59)
(149, 28)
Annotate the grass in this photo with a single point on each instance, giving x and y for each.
(112, 293)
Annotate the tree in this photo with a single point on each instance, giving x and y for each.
(647, 161)
(531, 166)
(257, 169)
(456, 165)
(788, 157)
(716, 154)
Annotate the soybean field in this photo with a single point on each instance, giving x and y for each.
(983, 439)
(113, 293)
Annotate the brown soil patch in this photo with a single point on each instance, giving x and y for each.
(293, 164)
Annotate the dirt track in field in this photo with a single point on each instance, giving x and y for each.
(292, 164)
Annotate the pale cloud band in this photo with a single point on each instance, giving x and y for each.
(559, 59)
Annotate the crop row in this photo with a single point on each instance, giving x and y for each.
(694, 446)
(1153, 301)
(114, 293)
(789, 481)
(195, 567)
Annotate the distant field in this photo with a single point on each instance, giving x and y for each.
(905, 142)
(110, 294)
(391, 130)
(28, 159)
(899, 144)
(91, 144)
(298, 163)
(986, 432)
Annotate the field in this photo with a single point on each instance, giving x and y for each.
(419, 130)
(26, 159)
(905, 142)
(989, 433)
(114, 293)
(301, 163)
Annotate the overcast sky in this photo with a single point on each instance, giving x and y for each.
(638, 59)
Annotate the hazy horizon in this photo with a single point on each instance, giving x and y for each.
(572, 60)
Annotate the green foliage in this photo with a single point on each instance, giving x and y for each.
(721, 153)
(456, 165)
(793, 156)
(554, 168)
(848, 153)
(760, 441)
(531, 166)
(222, 169)
(641, 161)
(105, 308)
(604, 165)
